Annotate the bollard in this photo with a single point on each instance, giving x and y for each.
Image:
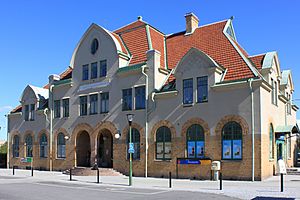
(13, 170)
(281, 185)
(221, 179)
(170, 180)
(31, 171)
(70, 174)
(98, 174)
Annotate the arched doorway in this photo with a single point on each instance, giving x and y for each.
(83, 149)
(105, 149)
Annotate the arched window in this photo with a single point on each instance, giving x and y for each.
(271, 147)
(61, 146)
(232, 141)
(195, 141)
(163, 143)
(135, 139)
(28, 146)
(43, 146)
(16, 142)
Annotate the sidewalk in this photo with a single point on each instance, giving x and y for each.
(239, 189)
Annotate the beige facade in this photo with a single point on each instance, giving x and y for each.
(91, 138)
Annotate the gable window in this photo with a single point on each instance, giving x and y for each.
(61, 146)
(103, 68)
(232, 141)
(83, 105)
(28, 145)
(135, 139)
(163, 143)
(276, 93)
(104, 102)
(26, 117)
(93, 104)
(32, 109)
(94, 70)
(43, 146)
(16, 143)
(57, 109)
(85, 72)
(188, 91)
(195, 141)
(127, 99)
(140, 97)
(289, 106)
(202, 89)
(271, 146)
(66, 107)
(94, 46)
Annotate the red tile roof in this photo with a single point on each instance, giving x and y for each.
(258, 60)
(158, 43)
(124, 50)
(211, 40)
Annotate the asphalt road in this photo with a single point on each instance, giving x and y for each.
(15, 189)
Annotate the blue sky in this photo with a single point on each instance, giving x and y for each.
(37, 38)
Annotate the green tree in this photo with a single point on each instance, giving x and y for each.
(3, 148)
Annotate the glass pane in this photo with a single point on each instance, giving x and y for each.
(191, 149)
(200, 149)
(188, 91)
(168, 149)
(159, 150)
(227, 149)
(237, 149)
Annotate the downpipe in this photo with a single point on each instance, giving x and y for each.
(252, 128)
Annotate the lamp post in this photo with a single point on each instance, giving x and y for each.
(130, 119)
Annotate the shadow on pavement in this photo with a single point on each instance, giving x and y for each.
(272, 198)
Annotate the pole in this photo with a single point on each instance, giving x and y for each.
(8, 141)
(221, 180)
(32, 166)
(98, 180)
(71, 174)
(252, 129)
(51, 126)
(13, 170)
(281, 185)
(130, 157)
(170, 179)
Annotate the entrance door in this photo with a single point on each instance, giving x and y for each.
(280, 149)
(83, 150)
(105, 150)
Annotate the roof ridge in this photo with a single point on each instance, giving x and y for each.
(257, 55)
(117, 32)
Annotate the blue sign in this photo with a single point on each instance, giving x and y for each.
(189, 162)
(131, 148)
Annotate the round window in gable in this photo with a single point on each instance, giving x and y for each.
(95, 45)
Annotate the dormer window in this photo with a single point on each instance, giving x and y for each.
(26, 116)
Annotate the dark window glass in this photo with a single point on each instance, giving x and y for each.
(163, 143)
(104, 102)
(188, 91)
(93, 104)
(94, 70)
(28, 145)
(232, 141)
(32, 112)
(135, 139)
(140, 97)
(202, 89)
(103, 68)
(127, 99)
(195, 141)
(16, 144)
(66, 108)
(61, 146)
(271, 147)
(57, 109)
(26, 113)
(85, 72)
(94, 46)
(43, 146)
(83, 105)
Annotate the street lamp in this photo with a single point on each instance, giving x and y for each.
(131, 149)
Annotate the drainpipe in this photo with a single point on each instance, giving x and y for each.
(146, 122)
(252, 128)
(50, 103)
(8, 141)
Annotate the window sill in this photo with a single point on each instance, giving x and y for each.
(200, 102)
(188, 105)
(157, 160)
(93, 113)
(231, 160)
(139, 108)
(104, 113)
(60, 159)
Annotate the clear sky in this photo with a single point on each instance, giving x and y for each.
(37, 38)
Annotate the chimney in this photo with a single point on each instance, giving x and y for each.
(192, 22)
